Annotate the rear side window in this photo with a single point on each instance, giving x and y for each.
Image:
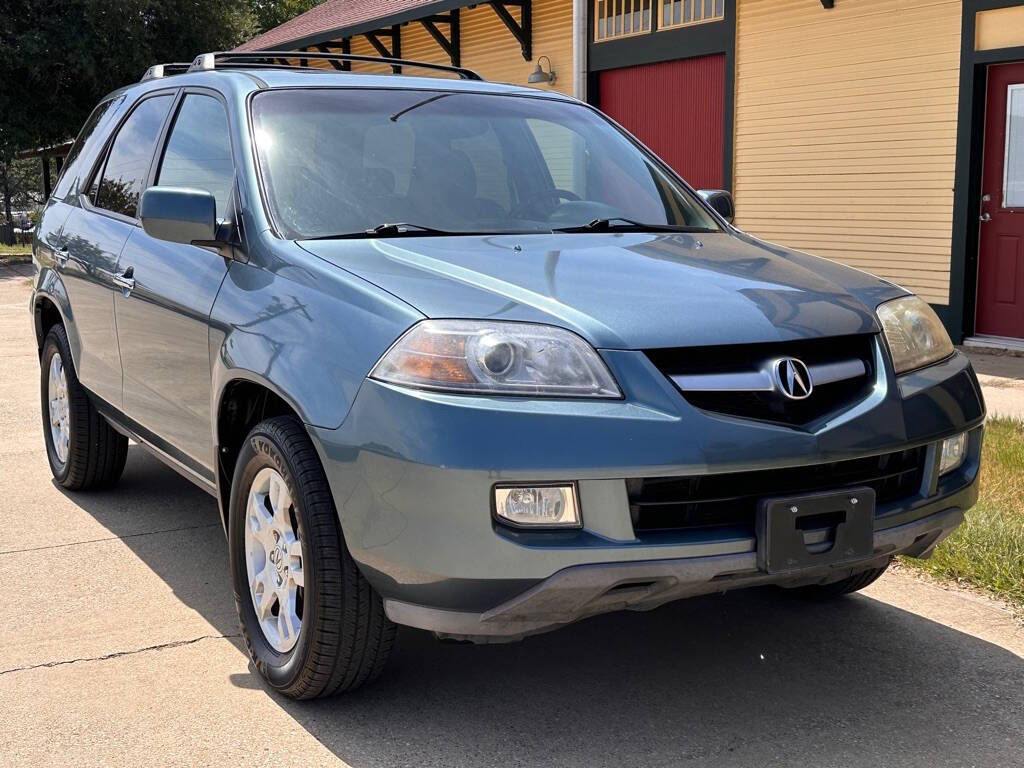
(198, 153)
(124, 176)
(68, 172)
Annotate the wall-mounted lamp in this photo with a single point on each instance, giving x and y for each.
(540, 76)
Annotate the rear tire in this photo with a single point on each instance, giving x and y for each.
(84, 451)
(289, 559)
(853, 583)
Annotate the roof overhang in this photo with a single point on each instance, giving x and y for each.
(54, 150)
(401, 17)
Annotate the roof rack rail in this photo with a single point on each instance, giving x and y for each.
(165, 70)
(280, 60)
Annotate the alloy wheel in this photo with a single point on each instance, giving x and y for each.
(273, 560)
(60, 410)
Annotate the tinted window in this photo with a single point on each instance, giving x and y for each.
(198, 153)
(68, 172)
(341, 161)
(124, 176)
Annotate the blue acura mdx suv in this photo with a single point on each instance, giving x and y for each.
(467, 357)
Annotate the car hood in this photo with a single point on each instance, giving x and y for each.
(622, 290)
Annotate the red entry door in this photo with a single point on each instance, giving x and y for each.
(1001, 251)
(676, 108)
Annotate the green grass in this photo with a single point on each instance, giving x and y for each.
(987, 551)
(8, 252)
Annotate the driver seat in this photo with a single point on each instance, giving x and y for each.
(445, 186)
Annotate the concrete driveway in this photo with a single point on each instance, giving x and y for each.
(119, 646)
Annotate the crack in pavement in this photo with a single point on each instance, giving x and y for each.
(108, 538)
(118, 654)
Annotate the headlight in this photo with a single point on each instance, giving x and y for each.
(914, 332)
(498, 358)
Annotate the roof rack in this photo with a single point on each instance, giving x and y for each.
(164, 70)
(280, 60)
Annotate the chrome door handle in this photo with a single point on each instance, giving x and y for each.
(125, 281)
(986, 216)
(60, 255)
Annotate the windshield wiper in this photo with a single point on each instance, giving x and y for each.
(417, 105)
(397, 229)
(621, 224)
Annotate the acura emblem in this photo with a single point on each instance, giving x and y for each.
(792, 378)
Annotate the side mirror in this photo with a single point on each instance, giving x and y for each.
(179, 215)
(721, 201)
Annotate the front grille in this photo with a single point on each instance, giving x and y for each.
(825, 400)
(731, 499)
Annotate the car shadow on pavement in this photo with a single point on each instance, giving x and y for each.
(748, 678)
(174, 528)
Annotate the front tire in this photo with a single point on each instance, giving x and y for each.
(84, 451)
(853, 583)
(312, 623)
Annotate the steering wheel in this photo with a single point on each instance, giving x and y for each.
(528, 206)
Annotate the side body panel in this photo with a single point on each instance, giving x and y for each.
(93, 243)
(163, 322)
(164, 340)
(48, 233)
(46, 283)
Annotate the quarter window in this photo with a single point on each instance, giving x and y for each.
(68, 174)
(124, 176)
(198, 153)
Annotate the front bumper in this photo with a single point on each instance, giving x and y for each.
(412, 474)
(587, 590)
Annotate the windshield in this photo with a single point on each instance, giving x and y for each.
(338, 162)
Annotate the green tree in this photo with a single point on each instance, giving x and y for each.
(268, 14)
(21, 185)
(58, 59)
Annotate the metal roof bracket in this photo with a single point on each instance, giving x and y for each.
(522, 30)
(396, 45)
(450, 44)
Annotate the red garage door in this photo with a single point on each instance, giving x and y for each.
(676, 109)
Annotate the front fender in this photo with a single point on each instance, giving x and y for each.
(303, 328)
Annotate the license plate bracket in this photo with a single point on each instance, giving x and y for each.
(784, 525)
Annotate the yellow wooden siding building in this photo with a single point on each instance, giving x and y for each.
(845, 133)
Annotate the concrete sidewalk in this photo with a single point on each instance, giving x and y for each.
(1002, 381)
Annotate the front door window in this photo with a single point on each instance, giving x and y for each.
(1013, 169)
(198, 154)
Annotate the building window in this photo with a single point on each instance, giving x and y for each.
(621, 18)
(681, 13)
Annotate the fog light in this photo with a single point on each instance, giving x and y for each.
(953, 451)
(550, 506)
